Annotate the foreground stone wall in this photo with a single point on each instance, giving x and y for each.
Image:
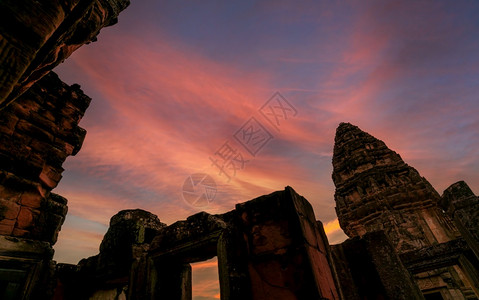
(37, 133)
(287, 250)
(39, 117)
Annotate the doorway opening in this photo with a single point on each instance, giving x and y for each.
(205, 280)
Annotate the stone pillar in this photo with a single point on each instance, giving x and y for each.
(121, 266)
(286, 256)
(232, 266)
(462, 206)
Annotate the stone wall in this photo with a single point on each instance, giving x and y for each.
(122, 253)
(288, 255)
(39, 117)
(270, 247)
(37, 133)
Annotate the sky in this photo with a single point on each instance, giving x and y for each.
(248, 95)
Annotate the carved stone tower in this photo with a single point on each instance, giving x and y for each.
(376, 190)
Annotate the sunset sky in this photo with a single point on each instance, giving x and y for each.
(174, 81)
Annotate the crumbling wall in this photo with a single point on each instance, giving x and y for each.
(38, 132)
(39, 117)
(270, 247)
(115, 270)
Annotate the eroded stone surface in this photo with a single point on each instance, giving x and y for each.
(38, 132)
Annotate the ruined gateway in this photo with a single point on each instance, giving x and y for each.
(405, 240)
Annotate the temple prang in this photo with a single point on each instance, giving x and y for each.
(377, 191)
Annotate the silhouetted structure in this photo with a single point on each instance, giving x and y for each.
(38, 130)
(376, 190)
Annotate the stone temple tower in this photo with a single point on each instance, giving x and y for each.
(376, 190)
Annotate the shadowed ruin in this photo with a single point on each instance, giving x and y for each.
(405, 240)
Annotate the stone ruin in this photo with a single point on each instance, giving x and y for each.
(405, 240)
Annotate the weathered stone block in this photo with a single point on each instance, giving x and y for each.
(282, 237)
(31, 199)
(50, 176)
(28, 128)
(270, 237)
(27, 218)
(7, 225)
(6, 229)
(9, 209)
(20, 232)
